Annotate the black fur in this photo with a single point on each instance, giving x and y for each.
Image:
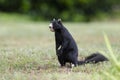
(66, 48)
(68, 51)
(93, 58)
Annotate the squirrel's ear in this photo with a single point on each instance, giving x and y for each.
(59, 20)
(53, 19)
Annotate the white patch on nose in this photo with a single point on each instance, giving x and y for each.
(51, 27)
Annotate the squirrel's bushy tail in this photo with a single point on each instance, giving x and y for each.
(93, 58)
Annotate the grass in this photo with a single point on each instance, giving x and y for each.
(27, 49)
(112, 73)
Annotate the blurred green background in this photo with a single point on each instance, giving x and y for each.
(27, 47)
(68, 10)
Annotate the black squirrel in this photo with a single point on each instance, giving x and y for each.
(66, 47)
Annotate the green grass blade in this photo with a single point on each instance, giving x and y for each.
(113, 58)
